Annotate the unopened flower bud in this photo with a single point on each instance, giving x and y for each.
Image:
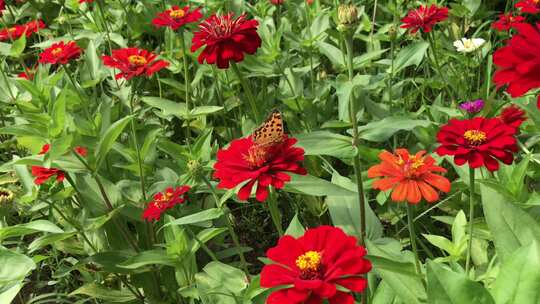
(6, 196)
(347, 16)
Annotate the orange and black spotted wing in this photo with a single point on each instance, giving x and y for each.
(271, 132)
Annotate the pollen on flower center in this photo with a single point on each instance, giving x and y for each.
(309, 261)
(177, 13)
(137, 60)
(417, 163)
(475, 137)
(256, 156)
(56, 51)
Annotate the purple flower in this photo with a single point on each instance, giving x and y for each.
(473, 106)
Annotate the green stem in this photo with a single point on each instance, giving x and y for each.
(203, 245)
(136, 144)
(471, 218)
(438, 66)
(356, 158)
(187, 86)
(7, 82)
(233, 234)
(274, 212)
(412, 236)
(249, 93)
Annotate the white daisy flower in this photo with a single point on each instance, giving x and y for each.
(465, 45)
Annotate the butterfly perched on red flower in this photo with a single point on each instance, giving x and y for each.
(263, 158)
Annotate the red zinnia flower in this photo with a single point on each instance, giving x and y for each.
(42, 174)
(479, 142)
(513, 116)
(164, 201)
(60, 53)
(44, 149)
(314, 266)
(177, 17)
(410, 177)
(529, 6)
(519, 61)
(82, 151)
(267, 165)
(226, 39)
(424, 18)
(134, 62)
(16, 31)
(506, 22)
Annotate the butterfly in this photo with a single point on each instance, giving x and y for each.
(271, 132)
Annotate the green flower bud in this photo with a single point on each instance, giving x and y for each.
(347, 16)
(6, 196)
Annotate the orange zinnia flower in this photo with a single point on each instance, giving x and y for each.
(410, 177)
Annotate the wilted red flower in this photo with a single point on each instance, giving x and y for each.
(519, 61)
(529, 6)
(410, 177)
(267, 165)
(15, 32)
(82, 151)
(424, 18)
(44, 149)
(60, 53)
(314, 266)
(42, 174)
(134, 62)
(479, 142)
(507, 21)
(177, 17)
(277, 2)
(2, 7)
(164, 201)
(513, 116)
(226, 38)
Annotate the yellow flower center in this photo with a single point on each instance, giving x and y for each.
(12, 29)
(475, 137)
(256, 156)
(177, 13)
(309, 261)
(137, 60)
(56, 51)
(417, 162)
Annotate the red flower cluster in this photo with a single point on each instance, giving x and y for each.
(226, 38)
(314, 266)
(267, 165)
(177, 17)
(17, 31)
(424, 18)
(410, 177)
(478, 142)
(529, 6)
(42, 174)
(60, 53)
(507, 21)
(519, 61)
(513, 116)
(134, 62)
(164, 201)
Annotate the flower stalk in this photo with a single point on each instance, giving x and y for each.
(471, 218)
(248, 91)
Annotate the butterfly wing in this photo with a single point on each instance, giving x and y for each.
(271, 132)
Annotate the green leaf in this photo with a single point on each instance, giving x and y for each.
(58, 115)
(108, 139)
(220, 283)
(382, 130)
(311, 185)
(205, 110)
(448, 287)
(331, 52)
(29, 228)
(14, 268)
(48, 239)
(472, 5)
(166, 106)
(326, 143)
(104, 293)
(407, 287)
(18, 46)
(512, 228)
(345, 211)
(295, 229)
(202, 216)
(518, 281)
(150, 257)
(413, 54)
